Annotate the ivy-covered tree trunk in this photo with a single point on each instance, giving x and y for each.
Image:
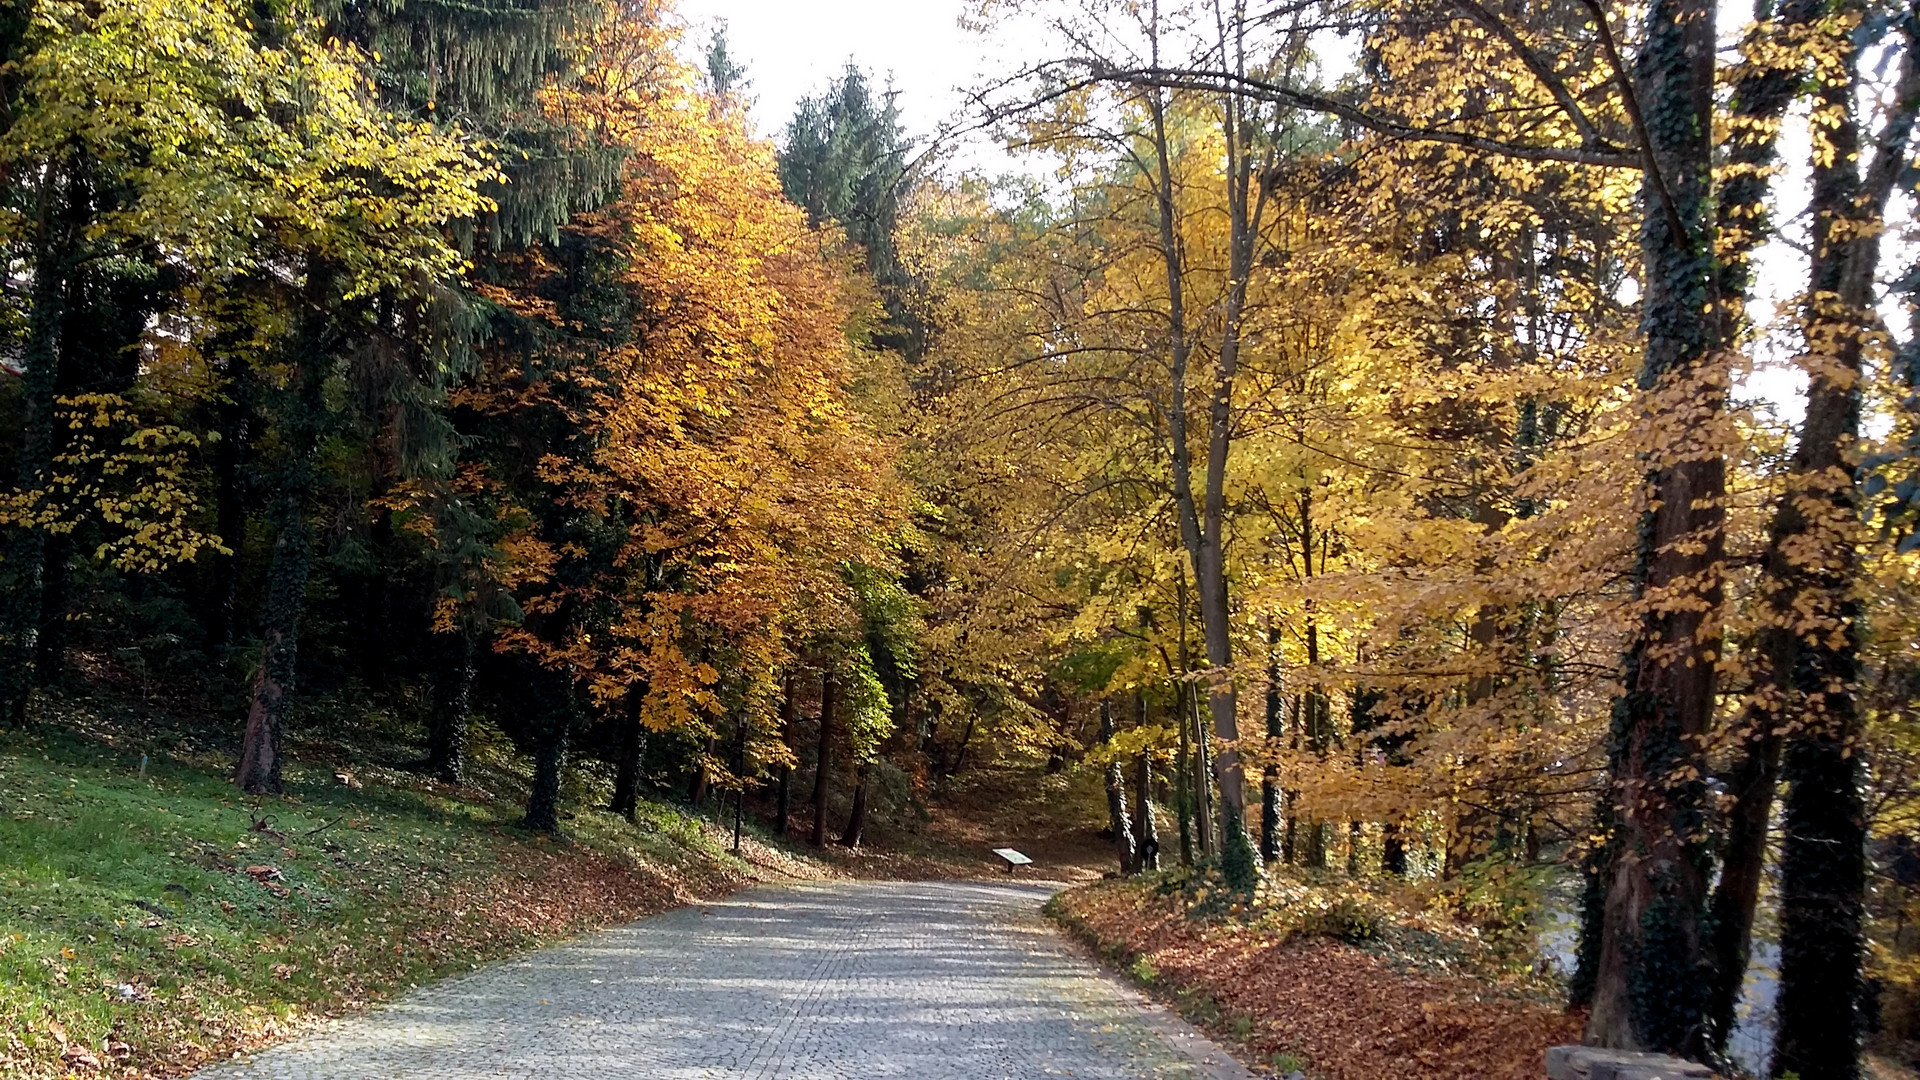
(452, 701)
(549, 768)
(260, 754)
(1652, 976)
(633, 749)
(783, 793)
(1393, 850)
(258, 772)
(823, 762)
(50, 651)
(1823, 867)
(1116, 781)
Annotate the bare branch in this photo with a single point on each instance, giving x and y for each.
(1607, 156)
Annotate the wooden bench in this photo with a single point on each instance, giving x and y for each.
(1014, 859)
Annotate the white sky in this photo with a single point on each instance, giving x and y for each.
(794, 48)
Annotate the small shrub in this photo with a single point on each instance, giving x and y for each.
(1501, 896)
(1350, 918)
(1143, 970)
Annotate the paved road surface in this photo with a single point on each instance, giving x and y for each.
(929, 981)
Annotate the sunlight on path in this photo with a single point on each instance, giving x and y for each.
(932, 980)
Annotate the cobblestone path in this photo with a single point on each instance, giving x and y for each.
(928, 980)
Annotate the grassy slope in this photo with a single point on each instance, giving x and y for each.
(147, 925)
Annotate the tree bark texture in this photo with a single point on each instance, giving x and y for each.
(549, 767)
(260, 757)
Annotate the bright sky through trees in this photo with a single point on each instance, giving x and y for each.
(792, 50)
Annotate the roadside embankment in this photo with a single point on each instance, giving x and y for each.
(1276, 980)
(152, 919)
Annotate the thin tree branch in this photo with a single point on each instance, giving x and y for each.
(1607, 156)
(1649, 163)
(1498, 27)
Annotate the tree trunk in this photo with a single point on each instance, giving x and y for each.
(1183, 770)
(1760, 98)
(259, 769)
(292, 561)
(1290, 843)
(1319, 710)
(1146, 834)
(857, 816)
(1823, 872)
(1393, 850)
(230, 509)
(702, 775)
(1270, 824)
(26, 549)
(452, 700)
(1743, 857)
(1203, 766)
(823, 762)
(1202, 516)
(783, 799)
(633, 750)
(1823, 866)
(1316, 855)
(549, 766)
(50, 652)
(1651, 980)
(1117, 818)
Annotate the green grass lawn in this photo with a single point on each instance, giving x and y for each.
(149, 923)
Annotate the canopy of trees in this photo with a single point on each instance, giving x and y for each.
(1361, 472)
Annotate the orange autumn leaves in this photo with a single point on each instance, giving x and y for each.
(717, 428)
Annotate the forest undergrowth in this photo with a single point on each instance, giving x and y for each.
(1338, 980)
